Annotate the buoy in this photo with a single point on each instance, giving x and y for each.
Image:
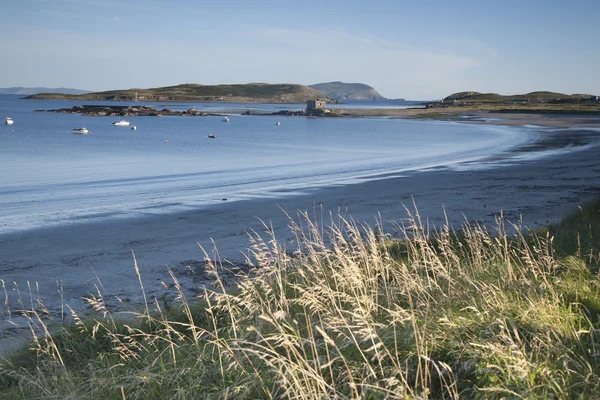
(166, 141)
(277, 123)
(133, 128)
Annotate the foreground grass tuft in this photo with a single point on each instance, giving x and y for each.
(351, 314)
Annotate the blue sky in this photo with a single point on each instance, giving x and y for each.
(409, 49)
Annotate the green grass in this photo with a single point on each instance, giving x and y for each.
(579, 235)
(353, 314)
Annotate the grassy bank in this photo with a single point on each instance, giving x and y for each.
(352, 314)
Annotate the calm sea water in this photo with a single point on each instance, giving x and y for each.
(49, 175)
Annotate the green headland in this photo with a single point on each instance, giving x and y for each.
(530, 102)
(251, 92)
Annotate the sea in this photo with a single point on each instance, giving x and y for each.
(51, 176)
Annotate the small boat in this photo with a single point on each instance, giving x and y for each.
(82, 131)
(121, 123)
(133, 128)
(211, 136)
(226, 119)
(8, 121)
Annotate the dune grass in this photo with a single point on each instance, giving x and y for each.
(350, 313)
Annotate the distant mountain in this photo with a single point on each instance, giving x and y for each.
(36, 90)
(341, 91)
(250, 92)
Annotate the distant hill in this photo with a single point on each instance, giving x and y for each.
(36, 90)
(341, 91)
(533, 97)
(540, 101)
(251, 92)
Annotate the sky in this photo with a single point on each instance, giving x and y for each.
(418, 50)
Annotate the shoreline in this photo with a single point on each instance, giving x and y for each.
(488, 117)
(509, 117)
(538, 192)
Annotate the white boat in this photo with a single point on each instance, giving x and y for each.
(121, 123)
(82, 131)
(226, 119)
(8, 121)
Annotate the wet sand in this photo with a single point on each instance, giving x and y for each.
(84, 257)
(548, 119)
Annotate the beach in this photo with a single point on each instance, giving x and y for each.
(37, 265)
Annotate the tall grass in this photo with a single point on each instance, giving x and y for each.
(348, 313)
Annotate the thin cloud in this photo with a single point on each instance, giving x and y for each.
(396, 69)
(342, 43)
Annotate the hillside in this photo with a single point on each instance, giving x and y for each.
(341, 91)
(541, 101)
(251, 92)
(36, 90)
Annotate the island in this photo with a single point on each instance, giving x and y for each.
(243, 93)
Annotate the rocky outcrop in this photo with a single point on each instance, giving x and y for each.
(145, 111)
(126, 111)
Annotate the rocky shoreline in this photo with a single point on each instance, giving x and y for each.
(145, 111)
(550, 117)
(127, 111)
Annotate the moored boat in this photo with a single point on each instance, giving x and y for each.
(121, 123)
(226, 119)
(8, 121)
(211, 136)
(82, 131)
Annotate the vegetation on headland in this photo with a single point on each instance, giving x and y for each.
(352, 314)
(251, 92)
(534, 102)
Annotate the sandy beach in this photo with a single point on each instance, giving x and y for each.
(59, 266)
